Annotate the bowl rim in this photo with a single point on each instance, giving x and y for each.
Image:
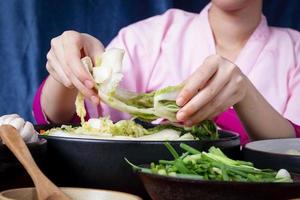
(41, 141)
(199, 181)
(70, 188)
(251, 149)
(233, 137)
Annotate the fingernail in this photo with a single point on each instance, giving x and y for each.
(67, 84)
(89, 84)
(180, 116)
(95, 99)
(188, 123)
(180, 101)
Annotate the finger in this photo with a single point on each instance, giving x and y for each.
(214, 86)
(225, 99)
(72, 45)
(53, 73)
(229, 97)
(92, 47)
(199, 116)
(27, 131)
(58, 51)
(88, 64)
(90, 93)
(198, 80)
(56, 66)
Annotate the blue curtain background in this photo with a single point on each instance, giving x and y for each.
(27, 26)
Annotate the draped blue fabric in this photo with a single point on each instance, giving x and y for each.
(27, 26)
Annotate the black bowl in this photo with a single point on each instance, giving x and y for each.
(99, 163)
(12, 173)
(273, 154)
(172, 188)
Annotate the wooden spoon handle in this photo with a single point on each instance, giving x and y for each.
(15, 143)
(10, 136)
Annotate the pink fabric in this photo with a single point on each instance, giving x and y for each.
(297, 129)
(164, 50)
(38, 113)
(229, 120)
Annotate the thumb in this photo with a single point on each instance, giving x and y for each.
(92, 47)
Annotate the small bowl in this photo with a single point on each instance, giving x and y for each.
(73, 193)
(274, 154)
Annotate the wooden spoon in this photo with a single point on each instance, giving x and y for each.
(45, 189)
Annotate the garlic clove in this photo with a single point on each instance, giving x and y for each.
(6, 119)
(27, 131)
(18, 123)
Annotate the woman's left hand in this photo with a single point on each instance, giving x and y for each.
(214, 87)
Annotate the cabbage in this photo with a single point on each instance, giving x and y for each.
(80, 109)
(161, 103)
(145, 106)
(105, 128)
(129, 128)
(95, 126)
(79, 102)
(164, 135)
(205, 130)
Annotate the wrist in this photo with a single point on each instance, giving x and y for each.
(57, 101)
(53, 83)
(249, 98)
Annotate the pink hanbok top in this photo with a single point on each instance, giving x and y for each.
(166, 49)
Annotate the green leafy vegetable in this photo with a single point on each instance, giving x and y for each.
(145, 106)
(105, 127)
(214, 165)
(128, 128)
(205, 130)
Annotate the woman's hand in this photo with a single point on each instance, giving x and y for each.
(64, 64)
(214, 87)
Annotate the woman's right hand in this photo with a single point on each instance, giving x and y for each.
(65, 66)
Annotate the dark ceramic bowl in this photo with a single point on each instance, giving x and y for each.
(12, 173)
(97, 163)
(171, 188)
(273, 154)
